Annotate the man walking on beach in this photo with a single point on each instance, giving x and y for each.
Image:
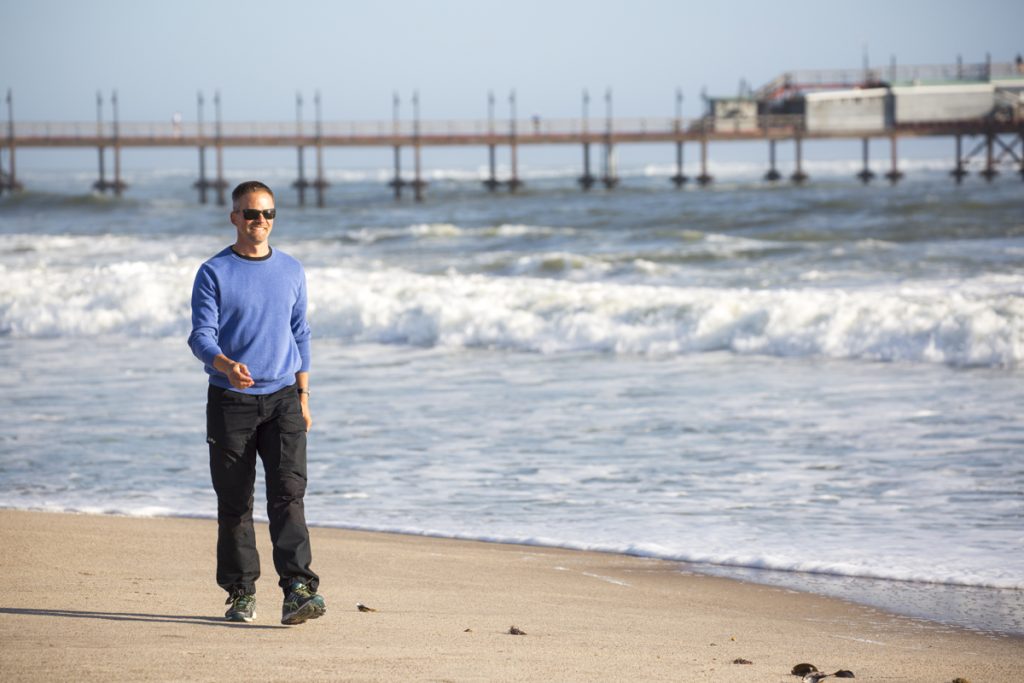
(249, 329)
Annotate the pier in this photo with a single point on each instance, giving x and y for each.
(995, 138)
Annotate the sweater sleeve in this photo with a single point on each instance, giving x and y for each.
(300, 326)
(205, 317)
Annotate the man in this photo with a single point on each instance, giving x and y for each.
(249, 329)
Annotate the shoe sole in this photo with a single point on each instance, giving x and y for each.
(238, 618)
(310, 610)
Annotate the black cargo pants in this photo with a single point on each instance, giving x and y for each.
(238, 427)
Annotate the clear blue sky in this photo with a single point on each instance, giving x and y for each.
(55, 54)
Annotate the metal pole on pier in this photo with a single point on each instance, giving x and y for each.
(679, 179)
(894, 173)
(513, 182)
(396, 182)
(773, 173)
(10, 182)
(609, 179)
(100, 184)
(990, 171)
(300, 183)
(118, 185)
(221, 183)
(321, 182)
(704, 178)
(799, 176)
(417, 183)
(865, 174)
(958, 171)
(586, 180)
(492, 180)
(201, 183)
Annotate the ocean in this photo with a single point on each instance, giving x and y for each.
(815, 387)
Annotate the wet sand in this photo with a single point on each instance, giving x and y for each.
(105, 598)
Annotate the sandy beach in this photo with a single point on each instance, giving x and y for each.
(102, 598)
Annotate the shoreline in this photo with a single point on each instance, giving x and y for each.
(986, 610)
(118, 598)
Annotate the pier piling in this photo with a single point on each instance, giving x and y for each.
(396, 183)
(221, 183)
(492, 164)
(894, 174)
(417, 182)
(300, 183)
(679, 179)
(610, 179)
(799, 177)
(321, 181)
(513, 182)
(704, 178)
(586, 180)
(958, 171)
(865, 174)
(773, 173)
(990, 171)
(9, 179)
(100, 184)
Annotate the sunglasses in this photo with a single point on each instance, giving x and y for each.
(253, 214)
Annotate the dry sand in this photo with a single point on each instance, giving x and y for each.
(104, 598)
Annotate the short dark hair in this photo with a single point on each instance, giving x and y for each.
(248, 187)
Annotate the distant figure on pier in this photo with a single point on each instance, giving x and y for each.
(1020, 64)
(176, 124)
(536, 124)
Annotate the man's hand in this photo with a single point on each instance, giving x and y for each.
(237, 373)
(304, 402)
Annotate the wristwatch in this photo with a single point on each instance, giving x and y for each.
(303, 391)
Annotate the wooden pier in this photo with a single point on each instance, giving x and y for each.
(997, 141)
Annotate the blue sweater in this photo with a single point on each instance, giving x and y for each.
(254, 312)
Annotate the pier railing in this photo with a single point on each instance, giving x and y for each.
(46, 133)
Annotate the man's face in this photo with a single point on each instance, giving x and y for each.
(253, 231)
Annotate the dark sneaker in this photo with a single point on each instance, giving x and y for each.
(243, 608)
(301, 604)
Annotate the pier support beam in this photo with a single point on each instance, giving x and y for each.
(118, 185)
(100, 184)
(865, 174)
(513, 182)
(704, 178)
(321, 181)
(417, 181)
(300, 183)
(958, 171)
(990, 171)
(492, 152)
(202, 184)
(799, 177)
(773, 173)
(586, 180)
(679, 179)
(9, 180)
(894, 173)
(396, 183)
(610, 179)
(220, 183)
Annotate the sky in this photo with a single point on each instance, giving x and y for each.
(56, 54)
